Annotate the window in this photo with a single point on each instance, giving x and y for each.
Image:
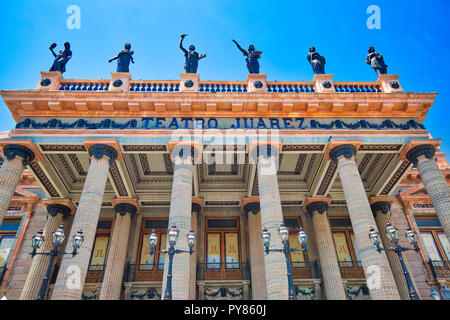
(99, 253)
(433, 238)
(222, 243)
(8, 231)
(344, 242)
(298, 257)
(155, 261)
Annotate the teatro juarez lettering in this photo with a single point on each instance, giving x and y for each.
(216, 123)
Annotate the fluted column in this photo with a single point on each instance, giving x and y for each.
(271, 217)
(376, 266)
(56, 213)
(115, 264)
(72, 272)
(423, 158)
(381, 212)
(331, 274)
(180, 215)
(16, 158)
(197, 205)
(257, 267)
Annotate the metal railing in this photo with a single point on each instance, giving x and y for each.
(351, 270)
(440, 268)
(305, 270)
(95, 273)
(143, 272)
(223, 271)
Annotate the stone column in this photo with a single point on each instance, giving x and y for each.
(271, 217)
(180, 215)
(16, 158)
(115, 264)
(56, 213)
(73, 270)
(376, 266)
(257, 269)
(196, 209)
(381, 212)
(331, 274)
(423, 158)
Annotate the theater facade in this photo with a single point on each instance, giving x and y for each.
(120, 158)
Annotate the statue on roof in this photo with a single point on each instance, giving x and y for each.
(59, 64)
(123, 59)
(192, 57)
(376, 61)
(316, 60)
(252, 57)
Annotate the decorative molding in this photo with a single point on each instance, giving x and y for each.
(380, 147)
(77, 164)
(298, 167)
(44, 180)
(144, 147)
(155, 203)
(291, 203)
(63, 147)
(364, 162)
(309, 293)
(373, 166)
(327, 179)
(117, 178)
(302, 147)
(150, 294)
(222, 203)
(224, 293)
(395, 178)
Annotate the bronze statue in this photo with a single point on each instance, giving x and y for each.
(123, 59)
(192, 57)
(376, 61)
(59, 64)
(252, 57)
(316, 60)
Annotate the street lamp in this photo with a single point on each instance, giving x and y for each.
(58, 237)
(284, 235)
(172, 234)
(393, 236)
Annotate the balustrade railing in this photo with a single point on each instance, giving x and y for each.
(155, 86)
(286, 87)
(143, 272)
(95, 273)
(84, 85)
(305, 270)
(440, 268)
(223, 271)
(222, 86)
(357, 87)
(351, 270)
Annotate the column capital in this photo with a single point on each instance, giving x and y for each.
(382, 204)
(98, 148)
(185, 148)
(419, 147)
(62, 206)
(337, 148)
(26, 149)
(265, 148)
(250, 204)
(197, 205)
(126, 205)
(319, 204)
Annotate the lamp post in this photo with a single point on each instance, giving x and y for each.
(58, 237)
(284, 234)
(172, 234)
(393, 236)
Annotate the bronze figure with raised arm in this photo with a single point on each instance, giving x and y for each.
(252, 57)
(59, 64)
(192, 57)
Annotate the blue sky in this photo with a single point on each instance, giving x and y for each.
(413, 40)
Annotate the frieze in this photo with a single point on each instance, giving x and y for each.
(216, 123)
(396, 177)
